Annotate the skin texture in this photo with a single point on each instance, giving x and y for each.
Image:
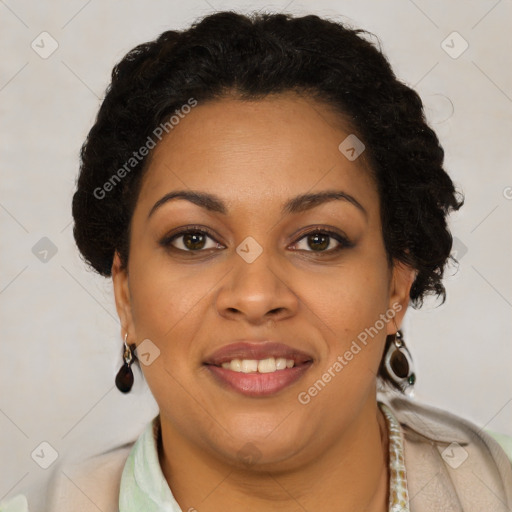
(330, 454)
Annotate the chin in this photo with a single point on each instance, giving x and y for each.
(264, 449)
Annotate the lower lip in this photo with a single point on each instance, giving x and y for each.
(259, 384)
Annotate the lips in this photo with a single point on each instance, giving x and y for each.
(253, 382)
(257, 350)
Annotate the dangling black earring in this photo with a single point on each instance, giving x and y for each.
(398, 364)
(124, 377)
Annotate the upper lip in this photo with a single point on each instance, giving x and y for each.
(256, 350)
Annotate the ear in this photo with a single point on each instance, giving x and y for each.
(122, 296)
(401, 281)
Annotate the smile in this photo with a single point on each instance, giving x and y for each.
(266, 369)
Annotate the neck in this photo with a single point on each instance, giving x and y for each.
(350, 475)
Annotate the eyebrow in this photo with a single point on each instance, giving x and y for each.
(296, 204)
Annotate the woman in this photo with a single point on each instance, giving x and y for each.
(268, 200)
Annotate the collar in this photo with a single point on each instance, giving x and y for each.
(143, 485)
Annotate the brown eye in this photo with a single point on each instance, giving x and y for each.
(191, 241)
(194, 241)
(318, 241)
(322, 241)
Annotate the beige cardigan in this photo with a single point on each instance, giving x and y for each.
(437, 478)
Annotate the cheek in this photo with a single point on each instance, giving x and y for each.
(351, 302)
(166, 302)
(351, 297)
(170, 303)
(165, 297)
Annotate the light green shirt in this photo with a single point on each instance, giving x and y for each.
(143, 485)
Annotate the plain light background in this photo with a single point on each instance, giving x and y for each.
(60, 344)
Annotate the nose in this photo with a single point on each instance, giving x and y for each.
(256, 292)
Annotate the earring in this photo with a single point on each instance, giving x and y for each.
(398, 364)
(124, 377)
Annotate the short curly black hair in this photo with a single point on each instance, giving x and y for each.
(256, 55)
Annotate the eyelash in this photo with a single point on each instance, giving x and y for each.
(344, 243)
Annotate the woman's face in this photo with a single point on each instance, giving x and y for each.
(254, 285)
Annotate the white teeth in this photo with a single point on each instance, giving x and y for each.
(236, 365)
(249, 365)
(281, 363)
(268, 365)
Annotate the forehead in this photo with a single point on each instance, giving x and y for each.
(257, 152)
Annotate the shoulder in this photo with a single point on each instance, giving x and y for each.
(450, 459)
(89, 485)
